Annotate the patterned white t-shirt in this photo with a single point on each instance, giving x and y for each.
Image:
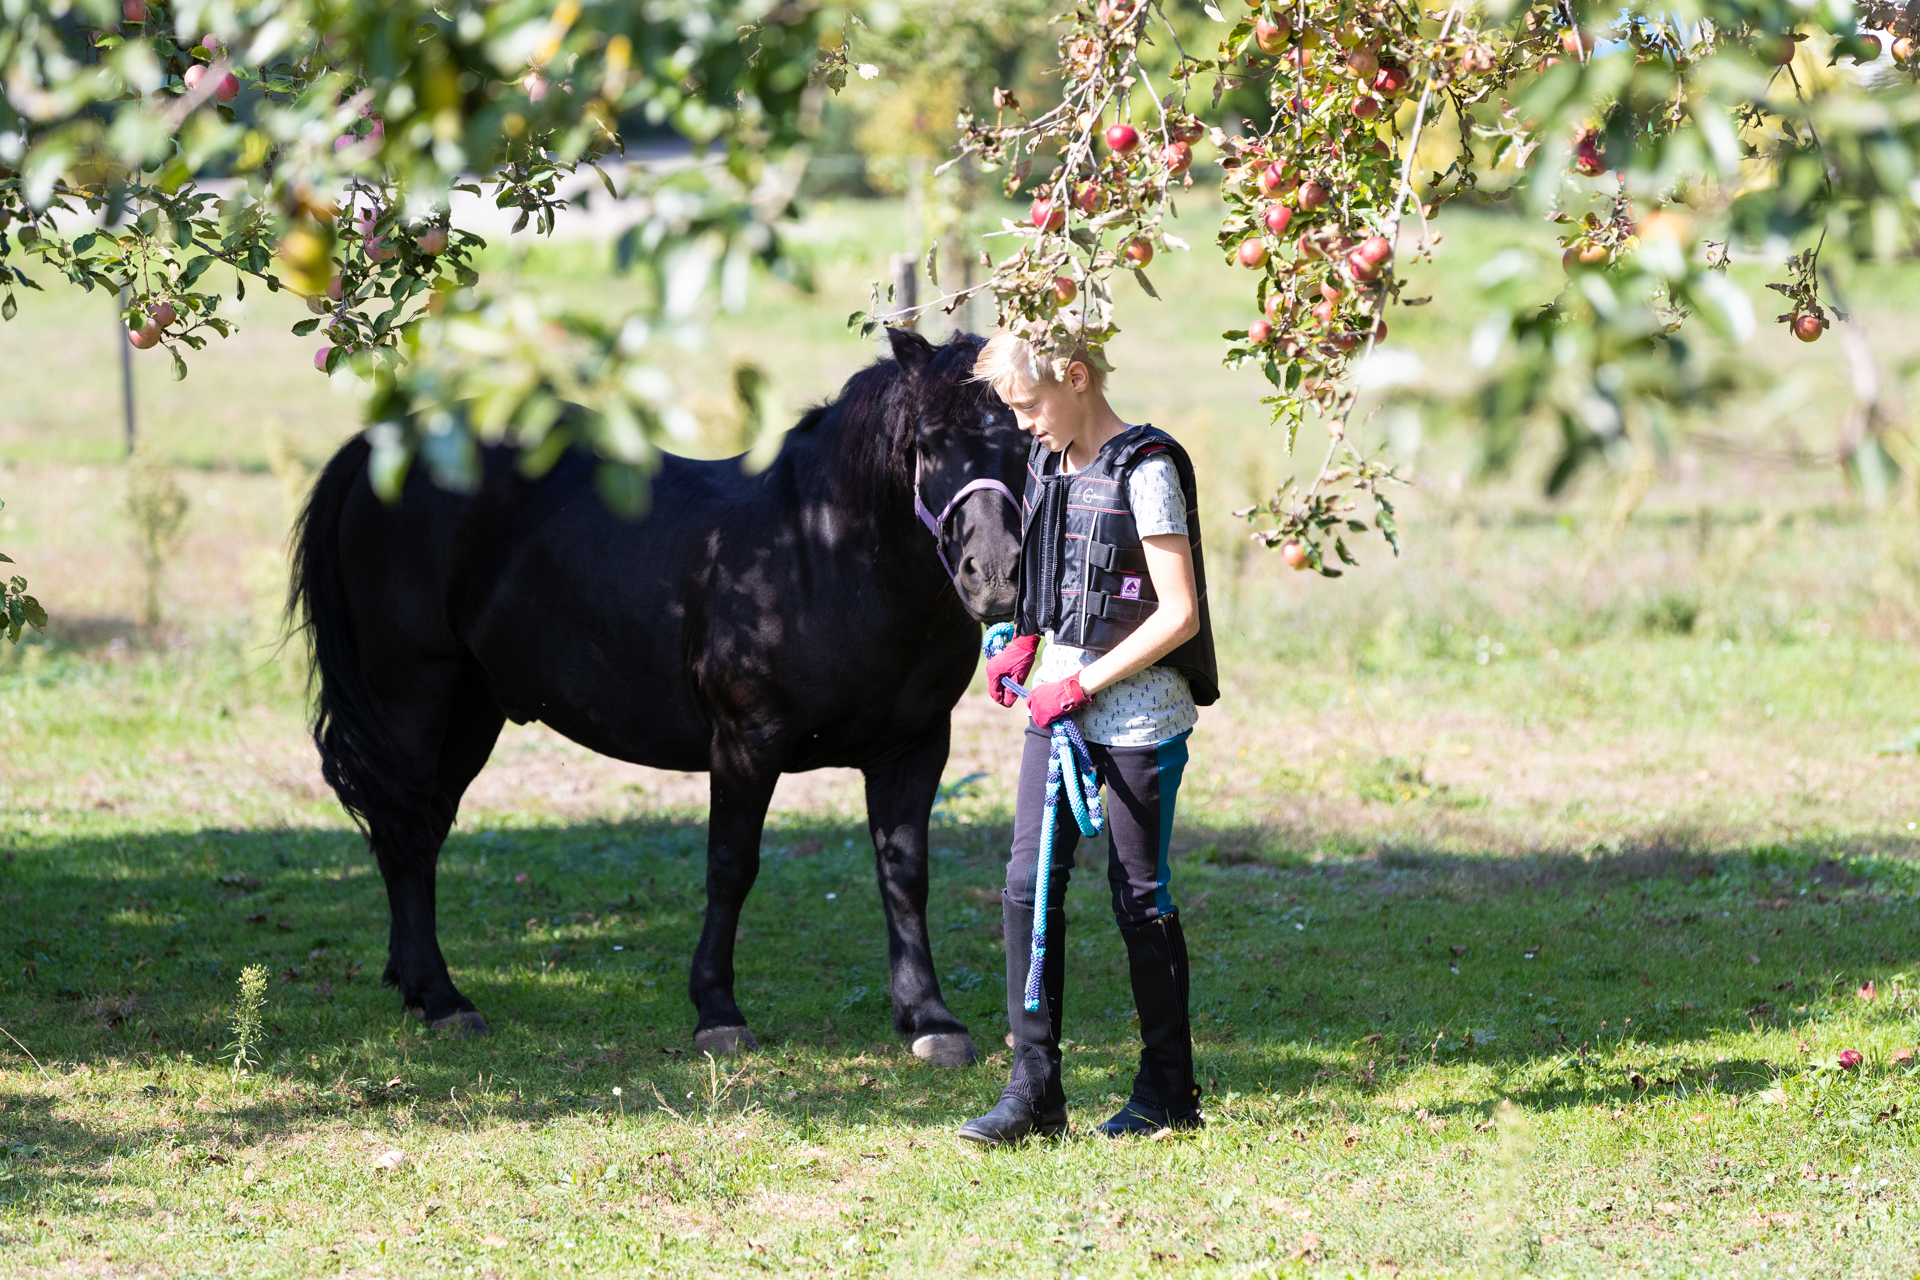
(1150, 706)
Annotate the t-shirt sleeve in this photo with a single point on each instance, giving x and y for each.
(1153, 493)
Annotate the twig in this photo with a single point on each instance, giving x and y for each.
(35, 1061)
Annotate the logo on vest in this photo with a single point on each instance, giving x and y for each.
(1129, 586)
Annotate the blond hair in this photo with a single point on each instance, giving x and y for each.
(1008, 361)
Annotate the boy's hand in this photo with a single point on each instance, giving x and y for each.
(1015, 660)
(1057, 699)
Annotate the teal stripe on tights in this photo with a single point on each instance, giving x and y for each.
(1170, 758)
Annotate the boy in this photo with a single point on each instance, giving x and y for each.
(1111, 575)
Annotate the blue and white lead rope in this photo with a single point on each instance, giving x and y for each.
(1070, 769)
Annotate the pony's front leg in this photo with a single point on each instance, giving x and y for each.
(900, 795)
(740, 791)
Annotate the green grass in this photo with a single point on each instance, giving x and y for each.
(1665, 1024)
(1641, 801)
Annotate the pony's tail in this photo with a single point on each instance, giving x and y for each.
(357, 757)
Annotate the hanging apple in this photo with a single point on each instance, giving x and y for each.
(1122, 139)
(1269, 35)
(1808, 328)
(1139, 251)
(1177, 156)
(1047, 216)
(1064, 290)
(1294, 553)
(1313, 196)
(1253, 253)
(1278, 216)
(1259, 333)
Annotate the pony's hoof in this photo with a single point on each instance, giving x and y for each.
(947, 1049)
(467, 1024)
(724, 1041)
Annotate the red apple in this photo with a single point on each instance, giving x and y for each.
(1390, 81)
(1324, 312)
(1122, 139)
(1904, 49)
(1331, 291)
(336, 287)
(320, 358)
(1306, 247)
(1189, 130)
(1064, 290)
(1375, 250)
(146, 336)
(1574, 43)
(226, 88)
(162, 313)
(1294, 552)
(1366, 108)
(536, 87)
(1253, 253)
(1276, 303)
(1364, 63)
(1087, 198)
(1595, 254)
(1278, 216)
(1849, 1059)
(1177, 156)
(194, 74)
(1313, 196)
(1045, 215)
(1872, 42)
(433, 241)
(1362, 270)
(1588, 159)
(1139, 251)
(212, 42)
(1259, 332)
(1274, 180)
(1808, 328)
(1783, 50)
(1270, 36)
(134, 11)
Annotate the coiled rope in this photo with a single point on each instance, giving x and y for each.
(1069, 769)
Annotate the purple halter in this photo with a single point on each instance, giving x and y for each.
(936, 523)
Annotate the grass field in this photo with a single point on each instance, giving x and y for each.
(1535, 885)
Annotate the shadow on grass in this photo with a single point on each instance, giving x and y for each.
(1566, 980)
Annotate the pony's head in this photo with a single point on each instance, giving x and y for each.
(969, 465)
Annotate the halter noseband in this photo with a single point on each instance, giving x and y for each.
(936, 523)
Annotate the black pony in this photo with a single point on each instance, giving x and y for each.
(746, 626)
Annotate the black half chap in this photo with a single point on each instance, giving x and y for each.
(1142, 784)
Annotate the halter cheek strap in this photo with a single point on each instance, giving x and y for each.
(936, 523)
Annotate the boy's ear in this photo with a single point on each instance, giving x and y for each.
(910, 349)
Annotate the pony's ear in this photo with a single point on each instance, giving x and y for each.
(910, 349)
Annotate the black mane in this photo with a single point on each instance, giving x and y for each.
(866, 434)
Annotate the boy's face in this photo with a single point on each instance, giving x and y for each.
(1051, 411)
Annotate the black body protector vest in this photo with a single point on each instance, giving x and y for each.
(1083, 570)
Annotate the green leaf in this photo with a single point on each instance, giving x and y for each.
(195, 269)
(179, 365)
(5, 558)
(1147, 284)
(8, 307)
(306, 327)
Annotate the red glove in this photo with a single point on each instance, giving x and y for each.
(1055, 699)
(1015, 660)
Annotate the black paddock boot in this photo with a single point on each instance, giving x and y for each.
(1033, 1103)
(1164, 1093)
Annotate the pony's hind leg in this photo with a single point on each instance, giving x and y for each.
(445, 728)
(900, 796)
